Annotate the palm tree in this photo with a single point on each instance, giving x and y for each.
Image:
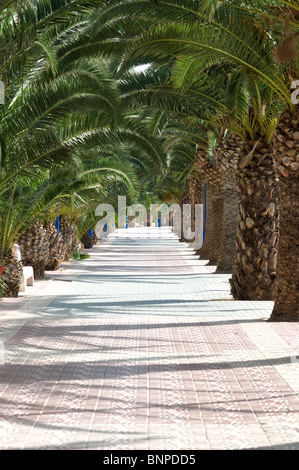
(185, 104)
(247, 45)
(55, 246)
(286, 160)
(205, 165)
(178, 124)
(59, 108)
(76, 191)
(81, 108)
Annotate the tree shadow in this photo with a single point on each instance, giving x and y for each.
(68, 306)
(100, 369)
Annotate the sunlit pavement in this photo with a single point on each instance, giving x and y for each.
(142, 347)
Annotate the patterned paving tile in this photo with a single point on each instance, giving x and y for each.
(142, 347)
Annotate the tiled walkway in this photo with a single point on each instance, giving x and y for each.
(142, 347)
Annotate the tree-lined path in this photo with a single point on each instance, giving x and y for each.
(142, 347)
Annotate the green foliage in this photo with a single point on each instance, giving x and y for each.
(81, 125)
(65, 134)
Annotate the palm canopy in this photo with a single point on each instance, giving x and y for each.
(65, 135)
(230, 36)
(27, 30)
(79, 188)
(201, 106)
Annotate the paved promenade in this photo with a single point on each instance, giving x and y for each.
(142, 347)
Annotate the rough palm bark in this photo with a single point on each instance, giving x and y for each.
(55, 247)
(12, 274)
(35, 248)
(214, 217)
(217, 224)
(70, 241)
(257, 234)
(229, 228)
(87, 240)
(204, 252)
(227, 154)
(286, 159)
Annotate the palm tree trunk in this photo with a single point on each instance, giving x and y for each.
(69, 239)
(204, 252)
(211, 174)
(195, 193)
(185, 199)
(55, 247)
(286, 158)
(229, 227)
(35, 248)
(227, 154)
(12, 275)
(256, 242)
(87, 240)
(217, 222)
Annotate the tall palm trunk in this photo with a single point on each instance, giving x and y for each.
(211, 174)
(217, 224)
(70, 241)
(204, 252)
(12, 275)
(35, 248)
(229, 227)
(286, 158)
(256, 242)
(227, 154)
(55, 246)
